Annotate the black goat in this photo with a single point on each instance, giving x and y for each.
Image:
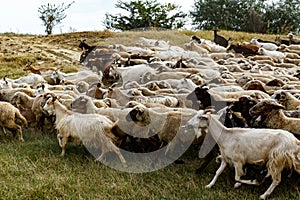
(220, 40)
(200, 94)
(85, 47)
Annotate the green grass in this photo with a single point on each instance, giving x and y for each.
(34, 169)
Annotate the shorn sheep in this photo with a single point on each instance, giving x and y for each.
(8, 116)
(276, 148)
(92, 129)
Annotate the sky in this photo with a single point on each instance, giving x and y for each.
(84, 15)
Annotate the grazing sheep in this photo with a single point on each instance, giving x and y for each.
(88, 128)
(8, 116)
(275, 148)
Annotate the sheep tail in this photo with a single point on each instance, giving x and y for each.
(22, 118)
(287, 158)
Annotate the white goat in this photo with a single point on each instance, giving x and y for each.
(88, 128)
(276, 148)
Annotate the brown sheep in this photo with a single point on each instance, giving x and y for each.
(8, 116)
(287, 100)
(273, 116)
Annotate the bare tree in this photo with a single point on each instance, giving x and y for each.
(52, 15)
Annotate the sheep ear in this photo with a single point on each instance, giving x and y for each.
(140, 109)
(209, 110)
(279, 106)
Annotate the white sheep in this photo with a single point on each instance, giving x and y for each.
(91, 129)
(276, 148)
(275, 54)
(266, 45)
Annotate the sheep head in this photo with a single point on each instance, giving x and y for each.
(140, 115)
(265, 106)
(80, 104)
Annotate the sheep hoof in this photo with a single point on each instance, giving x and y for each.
(263, 196)
(237, 185)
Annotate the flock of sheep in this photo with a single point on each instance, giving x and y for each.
(152, 95)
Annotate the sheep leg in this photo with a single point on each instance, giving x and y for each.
(62, 143)
(238, 173)
(16, 129)
(122, 159)
(4, 131)
(20, 134)
(101, 156)
(275, 172)
(270, 189)
(218, 172)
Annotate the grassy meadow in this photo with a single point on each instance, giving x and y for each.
(34, 169)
